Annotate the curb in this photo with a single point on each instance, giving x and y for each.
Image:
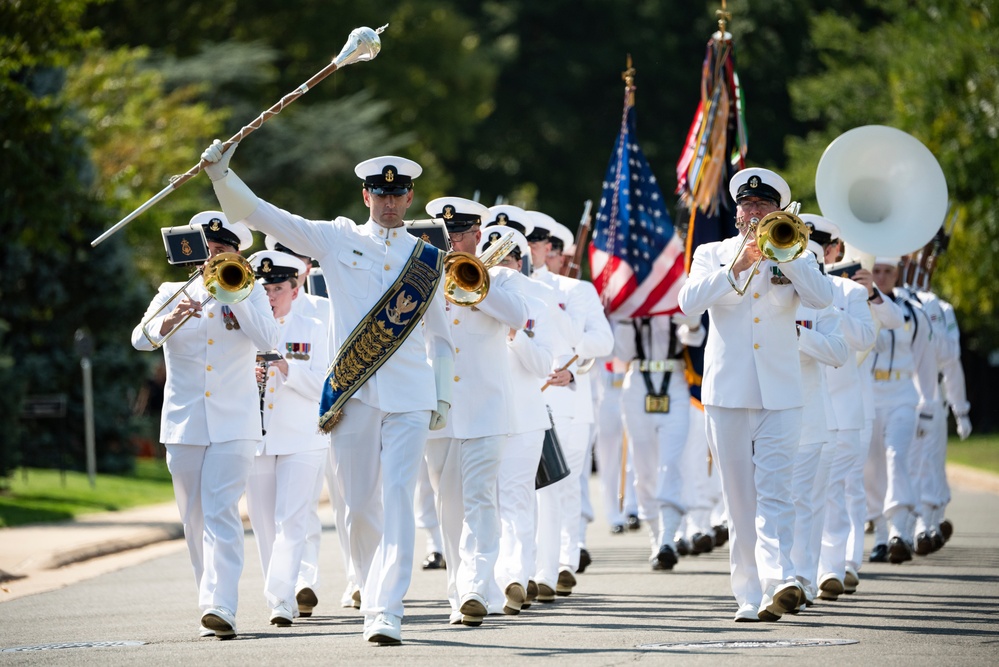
(972, 479)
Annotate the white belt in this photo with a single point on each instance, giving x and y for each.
(658, 366)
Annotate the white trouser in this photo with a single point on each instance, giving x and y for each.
(517, 507)
(585, 506)
(847, 459)
(930, 468)
(894, 431)
(658, 441)
(755, 456)
(559, 508)
(376, 460)
(308, 571)
(608, 451)
(426, 510)
(856, 498)
(282, 498)
(464, 474)
(808, 492)
(698, 493)
(208, 483)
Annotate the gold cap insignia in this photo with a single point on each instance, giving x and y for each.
(448, 212)
(389, 174)
(215, 224)
(502, 219)
(266, 266)
(754, 181)
(494, 237)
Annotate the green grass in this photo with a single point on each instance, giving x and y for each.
(35, 495)
(978, 451)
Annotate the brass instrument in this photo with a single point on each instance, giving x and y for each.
(228, 277)
(781, 236)
(466, 277)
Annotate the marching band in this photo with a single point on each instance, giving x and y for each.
(822, 407)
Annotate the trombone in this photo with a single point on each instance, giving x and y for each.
(466, 277)
(781, 236)
(229, 279)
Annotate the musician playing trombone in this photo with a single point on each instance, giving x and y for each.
(752, 390)
(208, 424)
(382, 392)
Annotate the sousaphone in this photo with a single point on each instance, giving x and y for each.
(883, 188)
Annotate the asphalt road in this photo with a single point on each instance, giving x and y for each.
(937, 610)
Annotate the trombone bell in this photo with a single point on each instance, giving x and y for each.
(228, 278)
(466, 277)
(781, 237)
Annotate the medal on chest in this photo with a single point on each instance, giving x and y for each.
(229, 318)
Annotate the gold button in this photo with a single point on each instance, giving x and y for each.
(456, 378)
(756, 295)
(270, 406)
(354, 263)
(211, 315)
(209, 367)
(457, 350)
(394, 234)
(272, 373)
(388, 243)
(387, 267)
(756, 272)
(272, 388)
(208, 393)
(456, 320)
(211, 341)
(756, 346)
(756, 319)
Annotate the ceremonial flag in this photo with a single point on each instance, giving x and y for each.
(636, 259)
(714, 151)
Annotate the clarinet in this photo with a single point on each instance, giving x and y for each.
(264, 358)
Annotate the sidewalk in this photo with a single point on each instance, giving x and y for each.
(43, 557)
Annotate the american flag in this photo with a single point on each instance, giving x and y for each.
(636, 259)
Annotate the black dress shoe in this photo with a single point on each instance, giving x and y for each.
(617, 529)
(946, 529)
(721, 535)
(434, 561)
(937, 539)
(701, 543)
(633, 522)
(681, 547)
(665, 559)
(879, 554)
(899, 550)
(584, 560)
(924, 545)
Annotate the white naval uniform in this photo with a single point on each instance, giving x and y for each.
(463, 458)
(210, 426)
(657, 439)
(530, 359)
(607, 384)
(821, 344)
(897, 356)
(591, 337)
(318, 307)
(752, 397)
(282, 493)
(847, 452)
(379, 442)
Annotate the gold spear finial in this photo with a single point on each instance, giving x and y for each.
(629, 81)
(724, 16)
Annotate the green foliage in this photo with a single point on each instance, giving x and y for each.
(52, 283)
(40, 495)
(978, 451)
(934, 73)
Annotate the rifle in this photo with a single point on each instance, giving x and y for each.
(933, 250)
(575, 266)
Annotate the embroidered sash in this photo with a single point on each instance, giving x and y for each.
(381, 332)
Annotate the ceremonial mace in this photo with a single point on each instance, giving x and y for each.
(363, 44)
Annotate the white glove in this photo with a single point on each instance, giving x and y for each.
(963, 426)
(218, 162)
(691, 321)
(438, 417)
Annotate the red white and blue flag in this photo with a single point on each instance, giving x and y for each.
(636, 259)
